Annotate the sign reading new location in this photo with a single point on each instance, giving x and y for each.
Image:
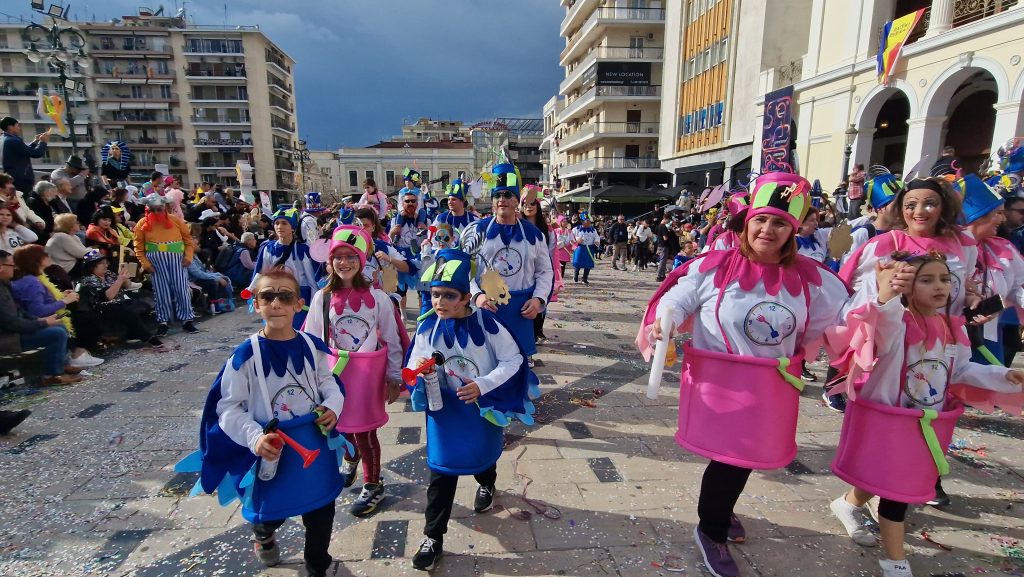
(624, 73)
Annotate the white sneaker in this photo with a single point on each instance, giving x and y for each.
(892, 568)
(132, 286)
(853, 521)
(85, 360)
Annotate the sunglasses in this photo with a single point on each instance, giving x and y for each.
(268, 297)
(445, 296)
(508, 194)
(410, 201)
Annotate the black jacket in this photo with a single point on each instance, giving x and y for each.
(12, 318)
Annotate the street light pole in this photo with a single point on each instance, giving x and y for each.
(590, 185)
(851, 135)
(301, 154)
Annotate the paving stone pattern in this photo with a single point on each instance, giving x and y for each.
(89, 487)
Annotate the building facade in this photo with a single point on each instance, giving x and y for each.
(385, 163)
(192, 98)
(608, 130)
(959, 83)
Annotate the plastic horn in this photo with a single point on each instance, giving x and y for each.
(658, 363)
(307, 456)
(409, 375)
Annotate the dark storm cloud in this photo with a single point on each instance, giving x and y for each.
(365, 66)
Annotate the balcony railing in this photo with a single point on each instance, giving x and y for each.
(629, 52)
(219, 120)
(122, 117)
(214, 72)
(577, 167)
(204, 96)
(967, 11)
(625, 14)
(628, 90)
(223, 141)
(624, 163)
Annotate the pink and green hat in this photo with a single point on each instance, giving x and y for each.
(781, 194)
(354, 237)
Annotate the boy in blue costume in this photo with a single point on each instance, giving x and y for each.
(280, 375)
(484, 382)
(289, 252)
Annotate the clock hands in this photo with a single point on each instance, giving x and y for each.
(774, 333)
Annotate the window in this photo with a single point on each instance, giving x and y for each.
(425, 177)
(389, 177)
(165, 91)
(353, 178)
(446, 175)
(369, 174)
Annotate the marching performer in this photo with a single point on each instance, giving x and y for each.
(293, 255)
(586, 239)
(165, 247)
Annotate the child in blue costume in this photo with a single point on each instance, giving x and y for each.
(484, 383)
(281, 374)
(292, 254)
(406, 229)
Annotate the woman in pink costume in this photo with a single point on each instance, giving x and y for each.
(909, 361)
(360, 325)
(752, 310)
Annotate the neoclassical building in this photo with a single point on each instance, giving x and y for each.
(959, 82)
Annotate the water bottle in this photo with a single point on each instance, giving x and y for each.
(433, 384)
(268, 469)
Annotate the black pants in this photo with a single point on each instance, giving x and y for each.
(564, 262)
(1011, 343)
(586, 275)
(318, 524)
(441, 497)
(719, 490)
(88, 328)
(892, 510)
(538, 325)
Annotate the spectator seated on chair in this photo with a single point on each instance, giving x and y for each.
(239, 260)
(215, 286)
(102, 294)
(66, 251)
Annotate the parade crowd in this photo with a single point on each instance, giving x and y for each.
(913, 301)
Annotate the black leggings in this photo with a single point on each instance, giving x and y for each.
(319, 523)
(441, 497)
(720, 488)
(586, 275)
(892, 510)
(538, 325)
(564, 262)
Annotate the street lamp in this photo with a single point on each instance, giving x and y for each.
(590, 185)
(301, 154)
(61, 47)
(851, 135)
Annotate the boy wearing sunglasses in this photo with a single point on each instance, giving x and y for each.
(483, 381)
(277, 380)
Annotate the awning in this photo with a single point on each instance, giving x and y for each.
(622, 193)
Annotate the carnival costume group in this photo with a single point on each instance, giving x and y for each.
(910, 322)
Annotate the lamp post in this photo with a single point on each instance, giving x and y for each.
(301, 154)
(62, 47)
(590, 185)
(851, 135)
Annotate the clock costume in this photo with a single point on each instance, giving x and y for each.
(407, 241)
(457, 189)
(294, 257)
(467, 439)
(517, 252)
(740, 384)
(881, 191)
(262, 380)
(586, 239)
(367, 342)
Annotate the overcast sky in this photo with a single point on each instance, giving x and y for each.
(363, 67)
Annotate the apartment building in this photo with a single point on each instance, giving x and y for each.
(607, 132)
(193, 98)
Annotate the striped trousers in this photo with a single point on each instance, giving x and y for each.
(170, 282)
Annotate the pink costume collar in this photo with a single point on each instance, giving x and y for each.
(354, 298)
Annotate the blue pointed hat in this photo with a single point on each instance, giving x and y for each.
(506, 177)
(451, 268)
(411, 175)
(287, 212)
(979, 198)
(313, 204)
(882, 190)
(457, 189)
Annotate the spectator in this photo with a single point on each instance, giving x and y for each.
(669, 247)
(60, 203)
(65, 249)
(207, 206)
(13, 232)
(38, 296)
(373, 198)
(130, 211)
(46, 333)
(172, 191)
(948, 163)
(855, 190)
(220, 199)
(643, 244)
(240, 260)
(155, 185)
(77, 174)
(233, 225)
(16, 156)
(211, 237)
(39, 202)
(619, 235)
(87, 206)
(102, 234)
(16, 200)
(102, 294)
(115, 170)
(217, 286)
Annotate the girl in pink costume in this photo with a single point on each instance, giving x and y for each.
(360, 325)
(913, 354)
(753, 310)
(564, 245)
(729, 238)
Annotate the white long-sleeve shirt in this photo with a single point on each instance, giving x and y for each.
(523, 263)
(17, 235)
(364, 330)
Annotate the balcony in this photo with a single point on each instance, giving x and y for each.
(609, 54)
(129, 47)
(145, 142)
(596, 130)
(628, 164)
(577, 168)
(129, 97)
(32, 94)
(138, 118)
(236, 142)
(604, 17)
(203, 97)
(272, 81)
(574, 15)
(206, 47)
(597, 94)
(219, 120)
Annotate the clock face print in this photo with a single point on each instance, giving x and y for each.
(769, 323)
(291, 402)
(507, 261)
(926, 382)
(407, 236)
(954, 289)
(457, 368)
(349, 332)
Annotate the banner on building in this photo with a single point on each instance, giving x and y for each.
(776, 133)
(894, 36)
(624, 73)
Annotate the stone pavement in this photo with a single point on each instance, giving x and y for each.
(88, 486)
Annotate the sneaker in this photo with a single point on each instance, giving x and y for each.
(371, 496)
(484, 498)
(161, 330)
(268, 552)
(428, 555)
(808, 376)
(189, 328)
(615, 267)
(85, 360)
(717, 557)
(853, 521)
(348, 471)
(11, 419)
(892, 568)
(586, 282)
(941, 499)
(530, 362)
(835, 402)
(737, 534)
(155, 341)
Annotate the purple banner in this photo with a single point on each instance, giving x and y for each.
(776, 133)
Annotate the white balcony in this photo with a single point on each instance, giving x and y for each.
(604, 17)
(598, 130)
(575, 15)
(609, 54)
(627, 164)
(598, 94)
(577, 169)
